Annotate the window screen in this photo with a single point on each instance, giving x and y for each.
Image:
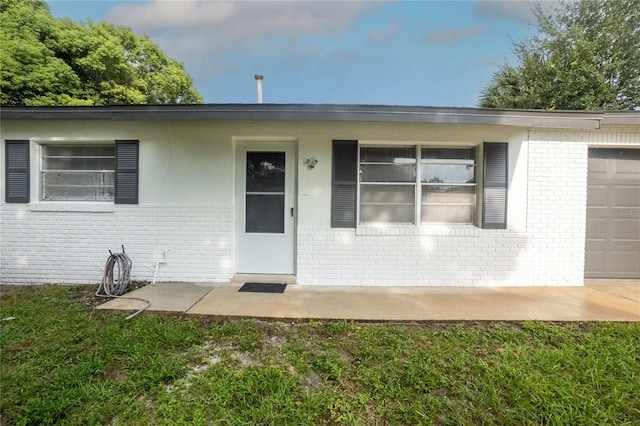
(78, 172)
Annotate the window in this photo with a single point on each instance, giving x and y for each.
(448, 185)
(387, 184)
(78, 172)
(379, 186)
(434, 184)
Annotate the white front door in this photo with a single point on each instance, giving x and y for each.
(265, 207)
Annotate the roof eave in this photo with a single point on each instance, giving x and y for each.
(322, 112)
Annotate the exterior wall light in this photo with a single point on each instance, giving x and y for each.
(311, 162)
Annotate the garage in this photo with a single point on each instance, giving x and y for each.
(612, 247)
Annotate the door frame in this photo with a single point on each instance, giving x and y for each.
(264, 144)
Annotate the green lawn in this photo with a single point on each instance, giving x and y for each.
(62, 362)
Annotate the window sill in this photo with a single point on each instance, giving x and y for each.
(423, 230)
(75, 207)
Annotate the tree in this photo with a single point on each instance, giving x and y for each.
(49, 61)
(585, 57)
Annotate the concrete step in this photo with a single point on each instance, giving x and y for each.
(264, 278)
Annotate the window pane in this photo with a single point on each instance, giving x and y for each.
(384, 194)
(265, 213)
(448, 173)
(78, 172)
(448, 204)
(78, 186)
(448, 165)
(78, 163)
(377, 213)
(387, 173)
(394, 155)
(265, 171)
(447, 214)
(387, 203)
(78, 179)
(79, 150)
(448, 194)
(448, 154)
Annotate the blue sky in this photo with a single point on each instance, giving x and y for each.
(435, 53)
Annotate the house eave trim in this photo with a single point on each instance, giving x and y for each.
(328, 112)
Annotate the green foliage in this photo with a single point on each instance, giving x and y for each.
(586, 57)
(49, 61)
(63, 363)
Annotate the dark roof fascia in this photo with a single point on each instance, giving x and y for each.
(622, 118)
(327, 112)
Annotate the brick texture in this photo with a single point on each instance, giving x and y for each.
(550, 252)
(45, 245)
(72, 247)
(556, 211)
(411, 256)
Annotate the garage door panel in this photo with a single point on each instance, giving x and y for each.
(612, 246)
(597, 166)
(598, 214)
(597, 195)
(623, 245)
(624, 262)
(594, 262)
(596, 229)
(624, 229)
(626, 196)
(623, 167)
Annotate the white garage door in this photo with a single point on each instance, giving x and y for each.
(613, 214)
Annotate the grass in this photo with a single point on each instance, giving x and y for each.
(62, 362)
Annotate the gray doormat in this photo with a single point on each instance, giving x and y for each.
(263, 288)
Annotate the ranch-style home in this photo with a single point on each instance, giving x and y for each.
(326, 194)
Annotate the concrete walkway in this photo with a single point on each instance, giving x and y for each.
(617, 300)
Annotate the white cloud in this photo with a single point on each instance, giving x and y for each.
(517, 10)
(233, 25)
(451, 35)
(154, 15)
(215, 38)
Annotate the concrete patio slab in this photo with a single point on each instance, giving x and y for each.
(168, 297)
(421, 304)
(629, 289)
(396, 303)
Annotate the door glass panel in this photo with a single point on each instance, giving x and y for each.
(265, 171)
(265, 180)
(265, 214)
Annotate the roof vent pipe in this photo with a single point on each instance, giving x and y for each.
(259, 78)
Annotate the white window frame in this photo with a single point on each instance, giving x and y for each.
(415, 200)
(41, 169)
(418, 184)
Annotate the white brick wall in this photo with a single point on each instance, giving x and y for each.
(41, 246)
(550, 252)
(556, 213)
(72, 246)
(410, 256)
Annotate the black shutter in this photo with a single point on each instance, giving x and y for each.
(126, 172)
(17, 171)
(496, 176)
(344, 184)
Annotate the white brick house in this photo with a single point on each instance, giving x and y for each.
(333, 194)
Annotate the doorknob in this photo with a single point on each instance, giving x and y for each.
(291, 211)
